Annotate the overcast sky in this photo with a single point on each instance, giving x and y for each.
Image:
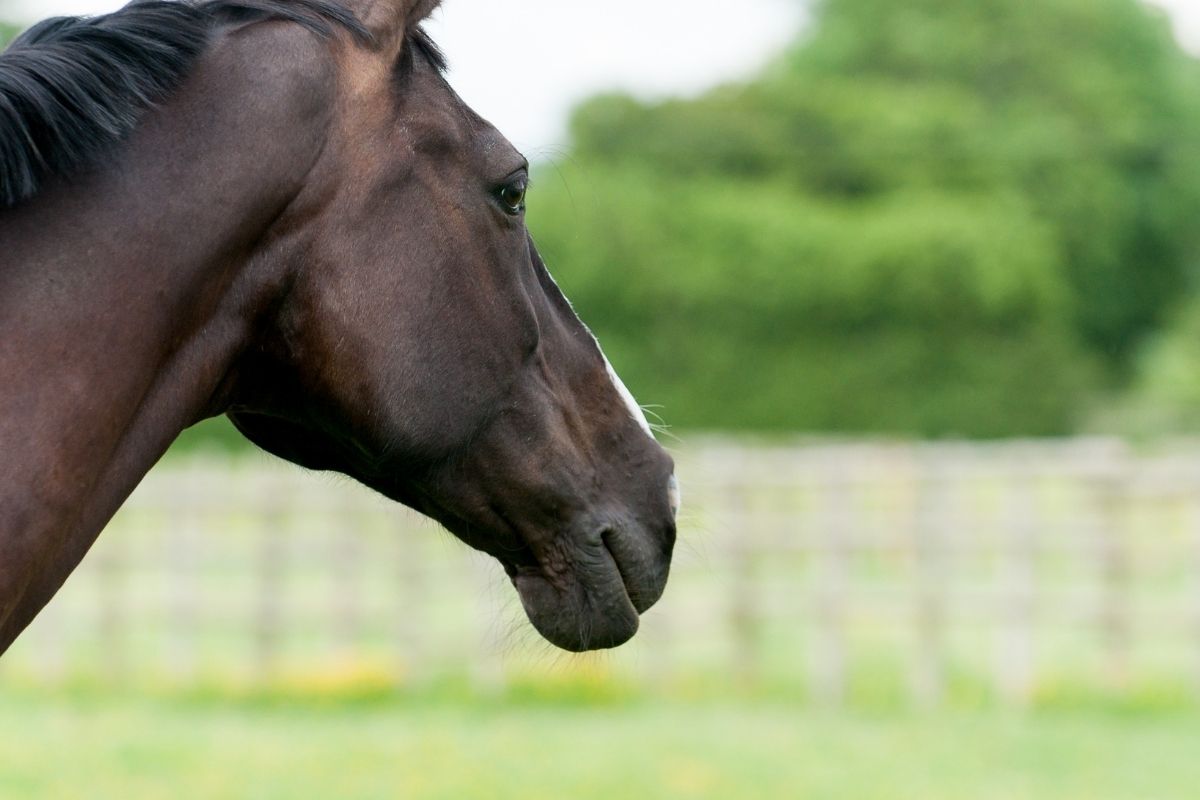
(523, 63)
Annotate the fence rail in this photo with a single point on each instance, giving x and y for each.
(1009, 567)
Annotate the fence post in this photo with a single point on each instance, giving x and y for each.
(50, 634)
(1116, 568)
(347, 554)
(488, 669)
(931, 531)
(1193, 519)
(110, 602)
(272, 568)
(830, 551)
(412, 567)
(184, 517)
(1015, 672)
(743, 601)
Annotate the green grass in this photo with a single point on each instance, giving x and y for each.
(133, 746)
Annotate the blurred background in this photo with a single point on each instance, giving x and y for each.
(915, 287)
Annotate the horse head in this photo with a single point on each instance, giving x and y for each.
(282, 212)
(422, 347)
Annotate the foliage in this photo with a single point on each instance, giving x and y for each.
(936, 217)
(744, 304)
(1166, 396)
(213, 435)
(8, 32)
(928, 217)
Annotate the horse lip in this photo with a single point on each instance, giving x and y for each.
(630, 594)
(608, 616)
(525, 563)
(643, 581)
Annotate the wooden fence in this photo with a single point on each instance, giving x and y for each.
(837, 569)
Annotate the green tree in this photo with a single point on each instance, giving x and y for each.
(1085, 106)
(8, 32)
(737, 304)
(937, 216)
(1166, 397)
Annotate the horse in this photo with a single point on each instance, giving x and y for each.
(280, 211)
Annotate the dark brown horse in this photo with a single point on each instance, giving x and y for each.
(280, 211)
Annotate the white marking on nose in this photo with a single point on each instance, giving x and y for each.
(634, 409)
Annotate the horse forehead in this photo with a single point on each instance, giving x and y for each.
(362, 71)
(421, 114)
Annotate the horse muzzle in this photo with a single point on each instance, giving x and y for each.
(586, 590)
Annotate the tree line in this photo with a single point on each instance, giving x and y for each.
(936, 218)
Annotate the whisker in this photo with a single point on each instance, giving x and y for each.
(659, 425)
(665, 430)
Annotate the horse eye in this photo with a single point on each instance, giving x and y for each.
(512, 195)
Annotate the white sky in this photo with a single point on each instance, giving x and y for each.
(523, 63)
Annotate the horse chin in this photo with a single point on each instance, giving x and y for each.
(580, 610)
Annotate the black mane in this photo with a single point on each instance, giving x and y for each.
(70, 87)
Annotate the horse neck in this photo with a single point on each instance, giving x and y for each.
(126, 296)
(122, 311)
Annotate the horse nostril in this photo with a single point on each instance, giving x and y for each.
(674, 496)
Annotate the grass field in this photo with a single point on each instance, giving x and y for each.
(378, 664)
(133, 746)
